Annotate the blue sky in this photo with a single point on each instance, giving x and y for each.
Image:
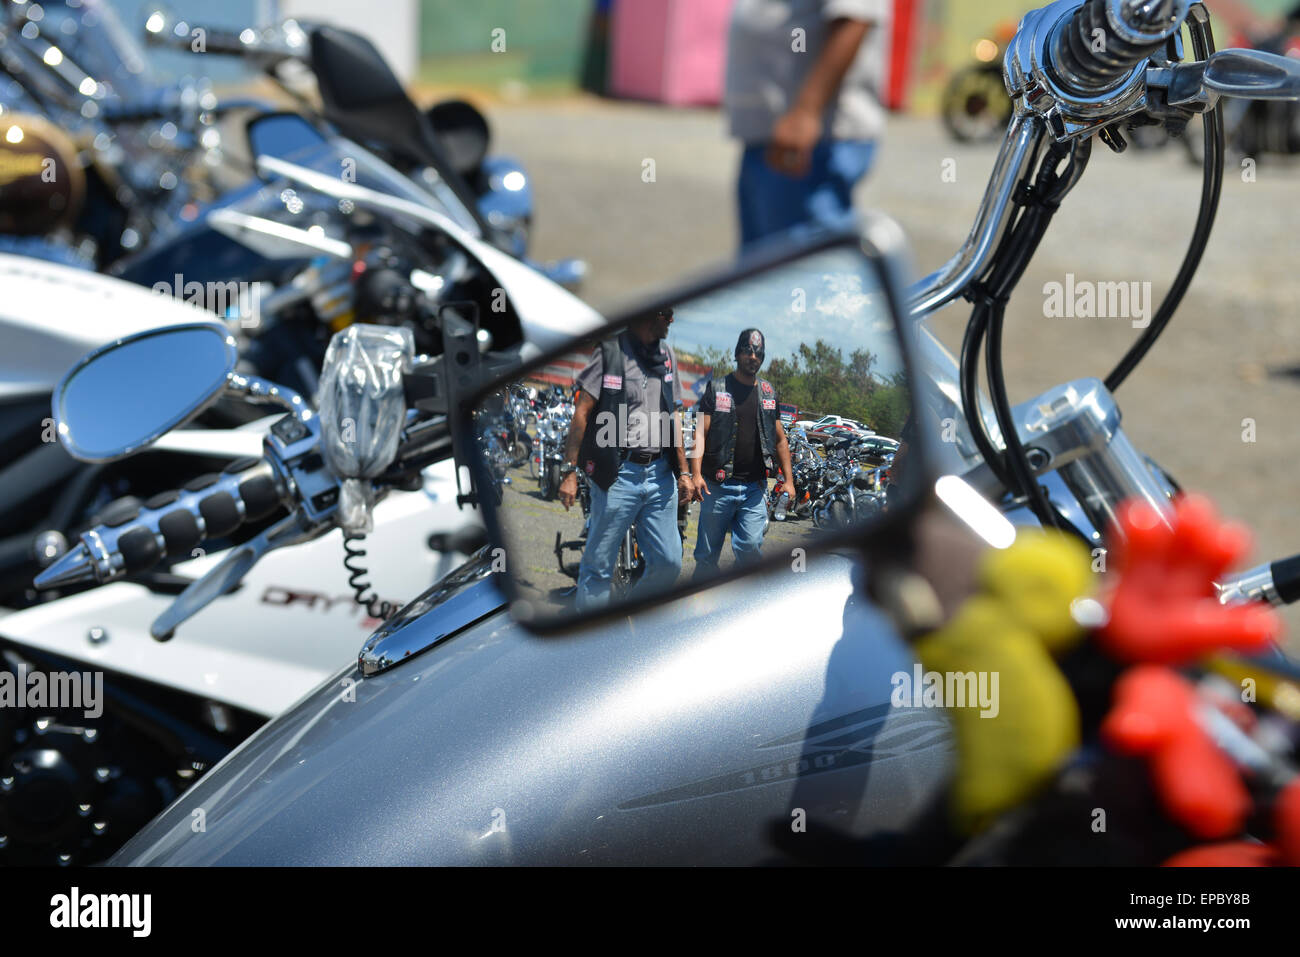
(842, 303)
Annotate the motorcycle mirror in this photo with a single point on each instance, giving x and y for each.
(124, 396)
(817, 327)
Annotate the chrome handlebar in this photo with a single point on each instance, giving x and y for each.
(1067, 100)
(1014, 160)
(170, 525)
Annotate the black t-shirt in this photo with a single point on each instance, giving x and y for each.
(749, 465)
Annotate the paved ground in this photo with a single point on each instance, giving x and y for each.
(1221, 362)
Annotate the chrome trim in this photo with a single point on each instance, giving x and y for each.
(275, 240)
(1074, 430)
(461, 598)
(256, 389)
(948, 283)
(270, 167)
(1256, 584)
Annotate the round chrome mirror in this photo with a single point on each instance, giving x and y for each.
(122, 397)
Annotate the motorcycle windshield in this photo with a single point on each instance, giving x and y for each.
(290, 138)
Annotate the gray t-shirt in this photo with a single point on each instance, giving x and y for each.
(645, 427)
(767, 63)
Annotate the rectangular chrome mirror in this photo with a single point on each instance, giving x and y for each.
(746, 421)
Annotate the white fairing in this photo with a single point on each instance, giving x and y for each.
(290, 626)
(52, 315)
(293, 622)
(550, 315)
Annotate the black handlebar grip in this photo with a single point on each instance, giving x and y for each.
(180, 531)
(1286, 579)
(174, 523)
(1105, 39)
(260, 496)
(220, 514)
(139, 549)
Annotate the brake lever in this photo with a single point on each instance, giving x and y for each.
(1243, 74)
(228, 573)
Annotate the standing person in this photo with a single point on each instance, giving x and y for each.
(738, 428)
(626, 437)
(799, 96)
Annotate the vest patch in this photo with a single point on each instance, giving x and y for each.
(668, 377)
(769, 403)
(722, 401)
(613, 382)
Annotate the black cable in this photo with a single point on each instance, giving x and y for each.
(968, 369)
(1042, 200)
(1211, 187)
(969, 385)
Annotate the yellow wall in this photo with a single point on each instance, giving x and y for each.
(965, 21)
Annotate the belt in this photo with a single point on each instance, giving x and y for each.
(643, 458)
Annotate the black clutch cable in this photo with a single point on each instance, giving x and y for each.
(1040, 200)
(1211, 188)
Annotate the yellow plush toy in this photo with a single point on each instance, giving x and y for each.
(1009, 631)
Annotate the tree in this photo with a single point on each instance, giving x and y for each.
(817, 378)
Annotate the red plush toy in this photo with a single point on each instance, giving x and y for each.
(1285, 852)
(1164, 610)
(1154, 716)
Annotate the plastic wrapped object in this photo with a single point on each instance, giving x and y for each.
(362, 410)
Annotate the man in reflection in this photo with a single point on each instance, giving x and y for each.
(626, 437)
(738, 431)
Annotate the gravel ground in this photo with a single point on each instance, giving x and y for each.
(532, 524)
(1225, 359)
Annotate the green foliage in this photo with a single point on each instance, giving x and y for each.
(820, 381)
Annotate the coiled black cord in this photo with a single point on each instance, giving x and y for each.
(375, 608)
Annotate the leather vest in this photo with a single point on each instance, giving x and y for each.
(719, 461)
(602, 462)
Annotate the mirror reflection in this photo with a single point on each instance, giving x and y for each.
(742, 425)
(107, 408)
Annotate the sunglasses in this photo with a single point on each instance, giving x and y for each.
(750, 351)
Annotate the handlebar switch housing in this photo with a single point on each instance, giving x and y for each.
(1073, 103)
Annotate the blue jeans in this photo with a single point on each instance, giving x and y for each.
(644, 495)
(773, 203)
(736, 507)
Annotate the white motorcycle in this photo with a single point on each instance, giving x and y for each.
(179, 693)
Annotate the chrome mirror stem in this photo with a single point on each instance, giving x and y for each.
(255, 389)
